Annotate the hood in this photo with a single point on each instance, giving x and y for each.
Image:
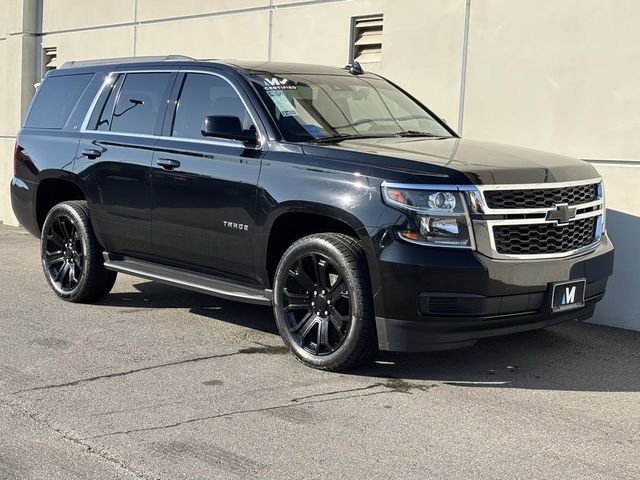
(442, 160)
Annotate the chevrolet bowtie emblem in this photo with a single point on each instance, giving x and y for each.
(562, 214)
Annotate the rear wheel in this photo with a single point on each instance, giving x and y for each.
(71, 256)
(323, 303)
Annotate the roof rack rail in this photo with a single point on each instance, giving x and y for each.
(109, 61)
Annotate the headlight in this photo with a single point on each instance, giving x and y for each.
(438, 218)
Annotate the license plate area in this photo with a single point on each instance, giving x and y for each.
(567, 295)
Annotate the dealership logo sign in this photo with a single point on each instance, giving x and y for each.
(274, 83)
(569, 296)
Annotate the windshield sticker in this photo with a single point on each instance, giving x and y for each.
(274, 83)
(313, 130)
(283, 104)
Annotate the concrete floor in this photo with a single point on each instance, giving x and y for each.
(156, 382)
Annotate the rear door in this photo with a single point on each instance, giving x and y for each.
(204, 188)
(115, 154)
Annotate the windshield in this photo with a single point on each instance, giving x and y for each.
(315, 107)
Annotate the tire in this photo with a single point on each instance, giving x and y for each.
(71, 255)
(337, 331)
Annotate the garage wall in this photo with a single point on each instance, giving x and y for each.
(566, 70)
(558, 75)
(422, 51)
(209, 37)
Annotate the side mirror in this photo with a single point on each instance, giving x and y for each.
(224, 126)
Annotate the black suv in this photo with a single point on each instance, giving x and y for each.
(331, 194)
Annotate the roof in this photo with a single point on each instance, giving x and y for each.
(121, 60)
(285, 67)
(247, 67)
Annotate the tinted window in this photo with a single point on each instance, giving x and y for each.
(56, 99)
(104, 120)
(140, 103)
(202, 95)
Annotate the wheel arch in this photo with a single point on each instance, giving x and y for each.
(295, 220)
(53, 188)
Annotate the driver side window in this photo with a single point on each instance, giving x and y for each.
(203, 95)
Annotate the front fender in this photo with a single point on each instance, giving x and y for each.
(321, 187)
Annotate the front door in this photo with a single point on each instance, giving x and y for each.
(204, 189)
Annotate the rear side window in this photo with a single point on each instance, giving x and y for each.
(140, 103)
(55, 101)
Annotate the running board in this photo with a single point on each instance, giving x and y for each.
(184, 279)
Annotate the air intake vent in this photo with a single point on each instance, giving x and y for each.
(49, 59)
(366, 39)
(443, 305)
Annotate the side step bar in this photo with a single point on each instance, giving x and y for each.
(184, 279)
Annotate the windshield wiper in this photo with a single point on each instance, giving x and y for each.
(416, 133)
(347, 136)
(344, 136)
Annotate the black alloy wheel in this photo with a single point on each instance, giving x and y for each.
(317, 304)
(71, 255)
(323, 304)
(63, 252)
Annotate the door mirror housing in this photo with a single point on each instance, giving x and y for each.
(226, 126)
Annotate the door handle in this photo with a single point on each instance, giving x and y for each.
(168, 163)
(91, 153)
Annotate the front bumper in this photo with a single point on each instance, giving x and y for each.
(432, 299)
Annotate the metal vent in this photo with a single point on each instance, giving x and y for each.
(49, 59)
(366, 39)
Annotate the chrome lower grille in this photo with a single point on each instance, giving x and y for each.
(544, 238)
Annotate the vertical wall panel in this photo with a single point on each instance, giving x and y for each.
(154, 9)
(561, 76)
(422, 51)
(242, 36)
(73, 14)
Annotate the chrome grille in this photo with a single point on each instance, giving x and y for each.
(541, 197)
(533, 221)
(544, 238)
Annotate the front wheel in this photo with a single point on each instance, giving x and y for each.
(323, 304)
(71, 255)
